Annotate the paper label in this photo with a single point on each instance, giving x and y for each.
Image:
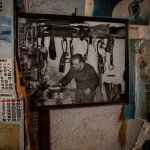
(138, 32)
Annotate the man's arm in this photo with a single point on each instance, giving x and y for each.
(67, 78)
(93, 79)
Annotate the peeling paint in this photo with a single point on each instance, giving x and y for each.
(142, 77)
(88, 134)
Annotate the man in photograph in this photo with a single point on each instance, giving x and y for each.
(85, 77)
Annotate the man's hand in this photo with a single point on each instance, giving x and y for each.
(87, 91)
(57, 85)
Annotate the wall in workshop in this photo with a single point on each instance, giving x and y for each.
(92, 128)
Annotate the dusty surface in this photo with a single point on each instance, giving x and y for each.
(93, 128)
(61, 7)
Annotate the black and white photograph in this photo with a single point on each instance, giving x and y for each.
(72, 60)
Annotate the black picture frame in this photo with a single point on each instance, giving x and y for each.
(32, 27)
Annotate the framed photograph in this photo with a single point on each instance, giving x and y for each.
(73, 60)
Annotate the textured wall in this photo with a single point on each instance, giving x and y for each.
(85, 128)
(92, 128)
(7, 9)
(61, 7)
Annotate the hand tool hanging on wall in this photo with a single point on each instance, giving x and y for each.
(44, 60)
(102, 43)
(100, 69)
(109, 48)
(52, 47)
(86, 54)
(103, 47)
(43, 54)
(63, 57)
(42, 38)
(71, 49)
(100, 58)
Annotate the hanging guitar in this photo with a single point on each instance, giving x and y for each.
(64, 56)
(109, 48)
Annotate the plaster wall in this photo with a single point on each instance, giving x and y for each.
(92, 128)
(61, 7)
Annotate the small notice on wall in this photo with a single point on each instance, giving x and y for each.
(139, 32)
(11, 111)
(9, 136)
(5, 74)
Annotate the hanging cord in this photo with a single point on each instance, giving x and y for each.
(44, 58)
(44, 54)
(62, 43)
(101, 64)
(86, 54)
(71, 50)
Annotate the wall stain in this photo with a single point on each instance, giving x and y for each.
(122, 134)
(123, 129)
(86, 136)
(121, 116)
(144, 77)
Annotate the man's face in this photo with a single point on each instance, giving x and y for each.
(76, 64)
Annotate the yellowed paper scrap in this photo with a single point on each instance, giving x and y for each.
(9, 136)
(137, 32)
(89, 6)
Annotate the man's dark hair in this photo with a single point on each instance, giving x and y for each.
(79, 57)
